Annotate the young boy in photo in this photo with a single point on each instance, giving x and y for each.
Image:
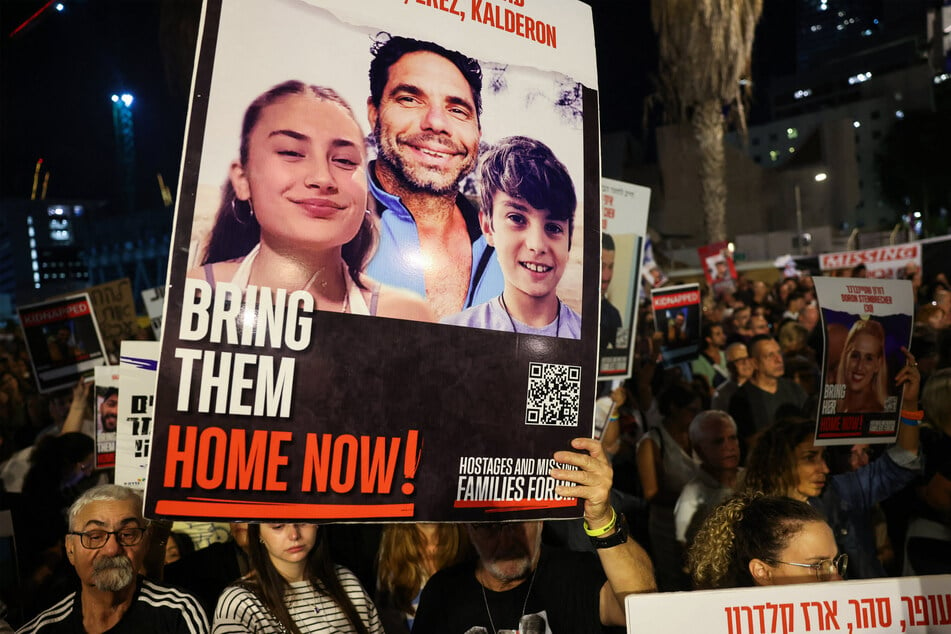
(528, 206)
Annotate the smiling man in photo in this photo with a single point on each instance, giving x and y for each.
(424, 107)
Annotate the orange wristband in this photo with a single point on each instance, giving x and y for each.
(916, 415)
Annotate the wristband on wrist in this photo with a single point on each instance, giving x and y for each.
(604, 529)
(913, 415)
(911, 422)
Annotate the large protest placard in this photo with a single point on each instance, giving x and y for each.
(107, 414)
(677, 317)
(63, 340)
(138, 365)
(291, 384)
(914, 605)
(866, 322)
(624, 210)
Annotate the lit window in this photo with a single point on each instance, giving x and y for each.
(792, 133)
(792, 150)
(856, 124)
(773, 155)
(899, 114)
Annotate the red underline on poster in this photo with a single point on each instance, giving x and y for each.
(207, 507)
(843, 434)
(513, 505)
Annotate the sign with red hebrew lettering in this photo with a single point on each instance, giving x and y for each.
(913, 605)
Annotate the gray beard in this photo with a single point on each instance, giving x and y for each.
(112, 574)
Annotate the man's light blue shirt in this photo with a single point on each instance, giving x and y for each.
(398, 259)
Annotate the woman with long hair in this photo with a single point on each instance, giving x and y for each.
(294, 587)
(409, 555)
(758, 540)
(863, 369)
(293, 211)
(786, 461)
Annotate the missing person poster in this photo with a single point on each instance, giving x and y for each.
(418, 360)
(914, 605)
(63, 340)
(138, 367)
(866, 322)
(624, 208)
(677, 317)
(107, 414)
(718, 269)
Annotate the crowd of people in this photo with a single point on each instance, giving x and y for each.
(703, 475)
(682, 495)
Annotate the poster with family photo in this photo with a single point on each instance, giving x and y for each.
(865, 323)
(624, 208)
(387, 239)
(63, 340)
(677, 313)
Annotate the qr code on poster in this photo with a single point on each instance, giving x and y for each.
(554, 394)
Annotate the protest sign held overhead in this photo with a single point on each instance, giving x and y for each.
(865, 323)
(624, 210)
(677, 317)
(137, 373)
(107, 414)
(63, 340)
(114, 307)
(321, 360)
(718, 269)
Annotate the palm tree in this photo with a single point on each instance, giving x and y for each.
(705, 50)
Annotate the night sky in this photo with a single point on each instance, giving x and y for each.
(56, 78)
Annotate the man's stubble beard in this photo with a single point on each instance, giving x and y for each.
(112, 574)
(416, 179)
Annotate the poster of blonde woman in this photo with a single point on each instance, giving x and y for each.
(867, 323)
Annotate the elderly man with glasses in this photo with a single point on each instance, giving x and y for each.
(106, 543)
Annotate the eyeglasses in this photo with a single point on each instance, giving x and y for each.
(96, 539)
(825, 569)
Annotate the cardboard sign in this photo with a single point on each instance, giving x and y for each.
(624, 210)
(865, 323)
(63, 340)
(677, 316)
(107, 414)
(914, 605)
(138, 367)
(330, 397)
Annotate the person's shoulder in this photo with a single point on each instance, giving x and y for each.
(347, 578)
(172, 599)
(399, 303)
(53, 618)
(478, 316)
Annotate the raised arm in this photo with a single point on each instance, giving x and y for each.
(626, 565)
